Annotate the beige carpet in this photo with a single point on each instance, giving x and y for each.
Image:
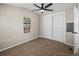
(39, 47)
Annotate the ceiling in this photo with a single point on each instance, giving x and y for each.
(56, 6)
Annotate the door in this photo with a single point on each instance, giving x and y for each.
(59, 27)
(76, 29)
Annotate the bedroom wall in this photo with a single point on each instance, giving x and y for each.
(46, 26)
(70, 19)
(11, 26)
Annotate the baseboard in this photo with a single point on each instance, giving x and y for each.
(76, 53)
(58, 41)
(17, 44)
(69, 44)
(46, 38)
(25, 42)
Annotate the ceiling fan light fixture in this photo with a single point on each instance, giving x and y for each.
(42, 11)
(43, 7)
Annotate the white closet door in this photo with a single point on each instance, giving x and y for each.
(59, 27)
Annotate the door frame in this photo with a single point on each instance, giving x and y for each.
(76, 9)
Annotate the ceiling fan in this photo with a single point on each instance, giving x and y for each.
(43, 8)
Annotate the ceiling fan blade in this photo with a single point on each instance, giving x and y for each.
(36, 6)
(48, 9)
(36, 10)
(42, 4)
(48, 5)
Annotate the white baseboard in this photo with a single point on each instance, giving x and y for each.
(58, 41)
(25, 42)
(17, 44)
(76, 53)
(68, 44)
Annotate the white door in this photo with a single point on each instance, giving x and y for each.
(59, 27)
(76, 29)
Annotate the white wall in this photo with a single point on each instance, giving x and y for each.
(70, 19)
(46, 26)
(11, 26)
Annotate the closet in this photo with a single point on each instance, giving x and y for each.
(53, 26)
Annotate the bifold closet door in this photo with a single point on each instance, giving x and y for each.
(59, 27)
